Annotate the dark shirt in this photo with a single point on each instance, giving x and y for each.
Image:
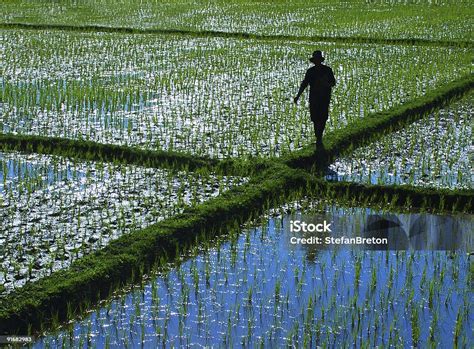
(320, 78)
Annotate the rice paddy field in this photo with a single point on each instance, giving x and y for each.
(444, 158)
(220, 97)
(254, 288)
(153, 165)
(55, 210)
(423, 19)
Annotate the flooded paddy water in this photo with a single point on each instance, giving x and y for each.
(255, 287)
(438, 20)
(436, 151)
(54, 210)
(203, 95)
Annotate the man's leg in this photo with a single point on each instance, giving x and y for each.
(319, 116)
(322, 118)
(315, 115)
(319, 125)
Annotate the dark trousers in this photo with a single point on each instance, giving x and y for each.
(319, 110)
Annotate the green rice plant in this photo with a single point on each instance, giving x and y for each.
(395, 22)
(415, 324)
(457, 329)
(431, 294)
(373, 280)
(410, 161)
(277, 291)
(433, 330)
(66, 181)
(358, 267)
(132, 98)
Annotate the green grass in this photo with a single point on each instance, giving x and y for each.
(88, 150)
(395, 196)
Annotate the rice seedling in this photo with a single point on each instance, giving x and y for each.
(433, 152)
(415, 324)
(76, 207)
(432, 20)
(128, 89)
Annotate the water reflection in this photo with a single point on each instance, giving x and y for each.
(256, 289)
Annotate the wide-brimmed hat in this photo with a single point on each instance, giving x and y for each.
(317, 56)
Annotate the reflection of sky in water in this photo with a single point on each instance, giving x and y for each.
(44, 172)
(256, 288)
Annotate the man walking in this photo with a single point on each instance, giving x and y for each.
(321, 79)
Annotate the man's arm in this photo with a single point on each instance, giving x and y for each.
(303, 86)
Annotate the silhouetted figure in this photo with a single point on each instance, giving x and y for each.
(321, 79)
